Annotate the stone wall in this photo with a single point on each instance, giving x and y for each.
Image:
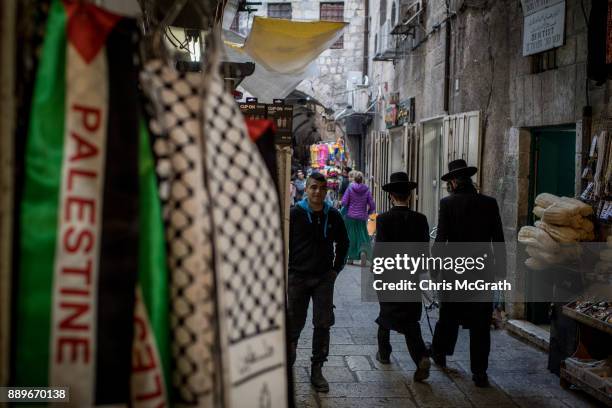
(488, 73)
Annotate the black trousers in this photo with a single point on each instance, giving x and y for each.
(319, 288)
(477, 318)
(414, 341)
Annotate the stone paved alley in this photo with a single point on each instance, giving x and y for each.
(517, 371)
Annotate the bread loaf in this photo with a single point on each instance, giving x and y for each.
(582, 208)
(545, 200)
(535, 264)
(538, 238)
(538, 211)
(544, 256)
(559, 233)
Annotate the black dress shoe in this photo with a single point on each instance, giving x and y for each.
(381, 359)
(439, 359)
(317, 380)
(481, 380)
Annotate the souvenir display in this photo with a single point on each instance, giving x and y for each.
(220, 191)
(87, 284)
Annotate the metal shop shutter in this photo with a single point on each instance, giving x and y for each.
(461, 140)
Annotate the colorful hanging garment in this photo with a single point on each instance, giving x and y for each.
(80, 248)
(151, 346)
(225, 245)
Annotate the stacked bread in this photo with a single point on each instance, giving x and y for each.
(563, 221)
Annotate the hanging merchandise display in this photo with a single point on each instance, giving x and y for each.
(175, 111)
(326, 154)
(231, 199)
(151, 265)
(85, 285)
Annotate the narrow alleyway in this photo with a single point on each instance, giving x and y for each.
(517, 371)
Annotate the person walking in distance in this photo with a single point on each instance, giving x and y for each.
(358, 202)
(300, 185)
(467, 216)
(401, 224)
(345, 181)
(318, 244)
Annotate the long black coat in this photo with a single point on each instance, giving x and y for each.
(400, 224)
(467, 216)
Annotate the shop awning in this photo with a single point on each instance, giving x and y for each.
(288, 47)
(263, 84)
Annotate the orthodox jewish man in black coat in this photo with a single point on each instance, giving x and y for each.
(469, 217)
(401, 224)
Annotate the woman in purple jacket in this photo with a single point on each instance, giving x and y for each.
(358, 204)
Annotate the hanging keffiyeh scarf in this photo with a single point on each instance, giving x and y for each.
(81, 252)
(225, 244)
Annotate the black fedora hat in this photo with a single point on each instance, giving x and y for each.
(458, 168)
(399, 183)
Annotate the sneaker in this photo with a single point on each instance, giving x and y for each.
(422, 372)
(382, 360)
(481, 380)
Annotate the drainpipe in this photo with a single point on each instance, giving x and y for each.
(447, 64)
(366, 35)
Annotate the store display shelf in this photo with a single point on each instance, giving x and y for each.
(588, 320)
(568, 378)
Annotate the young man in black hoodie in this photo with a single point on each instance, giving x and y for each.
(318, 244)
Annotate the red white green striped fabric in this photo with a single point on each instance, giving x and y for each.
(92, 285)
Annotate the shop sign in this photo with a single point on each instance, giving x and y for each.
(405, 111)
(282, 116)
(391, 116)
(253, 110)
(544, 25)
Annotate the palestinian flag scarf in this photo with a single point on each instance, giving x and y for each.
(91, 286)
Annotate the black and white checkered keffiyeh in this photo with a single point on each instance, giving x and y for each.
(225, 244)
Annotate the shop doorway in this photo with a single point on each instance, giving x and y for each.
(429, 180)
(553, 170)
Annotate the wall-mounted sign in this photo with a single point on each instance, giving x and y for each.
(278, 112)
(405, 111)
(282, 115)
(544, 25)
(254, 110)
(391, 116)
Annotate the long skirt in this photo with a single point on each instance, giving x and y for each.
(358, 235)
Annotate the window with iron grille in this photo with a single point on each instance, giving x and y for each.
(279, 10)
(333, 12)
